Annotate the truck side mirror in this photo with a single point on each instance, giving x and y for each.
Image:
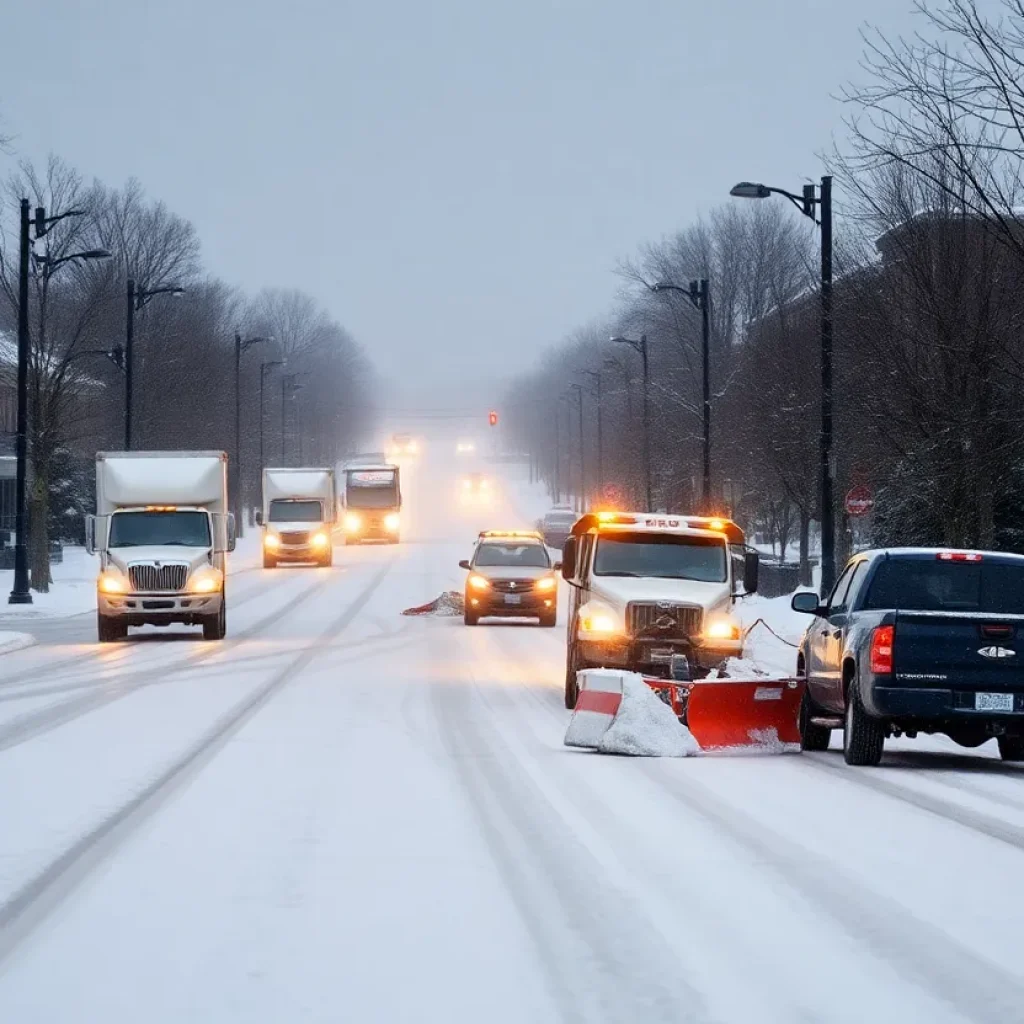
(464, 564)
(751, 568)
(259, 518)
(569, 559)
(90, 535)
(232, 534)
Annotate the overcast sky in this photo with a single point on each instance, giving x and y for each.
(454, 179)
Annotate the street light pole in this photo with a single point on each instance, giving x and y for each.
(578, 388)
(263, 383)
(806, 204)
(641, 347)
(595, 375)
(240, 347)
(137, 298)
(20, 594)
(699, 293)
(288, 386)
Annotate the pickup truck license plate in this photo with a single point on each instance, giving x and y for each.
(518, 599)
(993, 702)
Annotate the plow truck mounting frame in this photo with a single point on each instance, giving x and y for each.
(162, 531)
(299, 514)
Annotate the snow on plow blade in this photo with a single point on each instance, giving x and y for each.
(733, 714)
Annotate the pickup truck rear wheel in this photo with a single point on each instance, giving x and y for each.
(812, 737)
(1011, 748)
(863, 736)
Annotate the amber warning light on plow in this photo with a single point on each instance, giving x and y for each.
(492, 418)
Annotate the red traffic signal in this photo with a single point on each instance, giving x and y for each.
(492, 418)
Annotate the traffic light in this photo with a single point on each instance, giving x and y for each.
(492, 418)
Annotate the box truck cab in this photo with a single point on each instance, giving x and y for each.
(373, 503)
(647, 589)
(162, 531)
(300, 511)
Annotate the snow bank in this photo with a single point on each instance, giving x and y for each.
(10, 642)
(774, 633)
(747, 668)
(645, 725)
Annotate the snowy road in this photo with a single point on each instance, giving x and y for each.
(341, 814)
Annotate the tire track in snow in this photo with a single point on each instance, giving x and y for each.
(32, 904)
(976, 821)
(580, 921)
(983, 992)
(36, 723)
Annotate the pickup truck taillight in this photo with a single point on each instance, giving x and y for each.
(881, 650)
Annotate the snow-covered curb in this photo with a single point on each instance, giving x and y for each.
(11, 642)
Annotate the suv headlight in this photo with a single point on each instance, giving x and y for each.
(546, 583)
(478, 582)
(599, 620)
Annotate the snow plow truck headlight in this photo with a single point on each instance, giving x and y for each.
(721, 629)
(479, 582)
(392, 521)
(111, 583)
(352, 522)
(320, 540)
(546, 583)
(598, 621)
(271, 540)
(205, 583)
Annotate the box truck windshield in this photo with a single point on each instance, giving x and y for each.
(296, 512)
(146, 528)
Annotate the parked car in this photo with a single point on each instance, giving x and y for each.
(557, 525)
(912, 641)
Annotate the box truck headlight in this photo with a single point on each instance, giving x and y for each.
(721, 629)
(208, 582)
(352, 522)
(392, 521)
(112, 582)
(271, 540)
(320, 540)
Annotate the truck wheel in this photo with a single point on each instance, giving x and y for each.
(109, 630)
(812, 737)
(328, 560)
(470, 618)
(550, 619)
(1011, 748)
(269, 561)
(215, 627)
(863, 736)
(393, 540)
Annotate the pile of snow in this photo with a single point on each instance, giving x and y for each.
(746, 668)
(450, 603)
(10, 642)
(645, 725)
(774, 633)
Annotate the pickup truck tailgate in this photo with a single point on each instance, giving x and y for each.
(968, 653)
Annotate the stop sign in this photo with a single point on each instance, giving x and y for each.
(859, 501)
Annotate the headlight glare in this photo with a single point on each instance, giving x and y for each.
(352, 522)
(111, 584)
(392, 521)
(271, 540)
(546, 583)
(478, 582)
(320, 540)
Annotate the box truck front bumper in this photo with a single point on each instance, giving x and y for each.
(159, 609)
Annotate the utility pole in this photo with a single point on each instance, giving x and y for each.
(20, 594)
(240, 347)
(263, 385)
(578, 388)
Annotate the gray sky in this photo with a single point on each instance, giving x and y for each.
(455, 180)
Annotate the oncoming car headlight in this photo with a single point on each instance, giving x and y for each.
(546, 583)
(353, 522)
(392, 521)
(478, 582)
(271, 540)
(320, 540)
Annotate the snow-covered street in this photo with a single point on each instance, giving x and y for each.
(343, 814)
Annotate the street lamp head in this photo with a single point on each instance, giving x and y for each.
(619, 340)
(750, 190)
(95, 254)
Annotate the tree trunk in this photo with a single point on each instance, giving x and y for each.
(39, 534)
(805, 546)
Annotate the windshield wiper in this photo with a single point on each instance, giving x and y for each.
(634, 575)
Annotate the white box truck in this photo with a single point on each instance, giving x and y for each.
(300, 511)
(162, 530)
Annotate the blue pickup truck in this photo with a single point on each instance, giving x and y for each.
(916, 640)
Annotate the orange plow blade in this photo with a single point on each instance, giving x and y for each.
(731, 714)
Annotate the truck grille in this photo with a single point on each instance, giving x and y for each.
(296, 537)
(148, 578)
(512, 586)
(681, 621)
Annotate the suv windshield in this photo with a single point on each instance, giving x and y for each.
(176, 529)
(526, 555)
(661, 555)
(295, 512)
(933, 586)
